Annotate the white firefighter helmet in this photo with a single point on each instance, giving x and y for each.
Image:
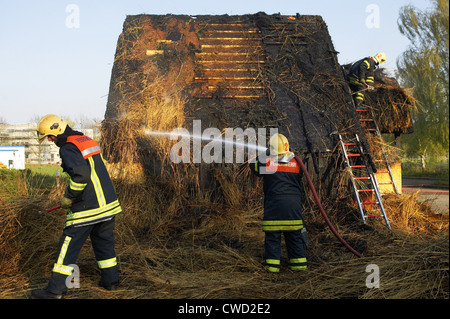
(380, 57)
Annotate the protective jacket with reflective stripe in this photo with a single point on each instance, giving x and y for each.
(90, 186)
(362, 71)
(282, 194)
(87, 146)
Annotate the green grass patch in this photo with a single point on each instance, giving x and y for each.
(436, 170)
(45, 169)
(28, 182)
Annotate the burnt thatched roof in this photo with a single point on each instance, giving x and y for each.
(248, 71)
(282, 72)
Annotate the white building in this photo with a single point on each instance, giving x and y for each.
(25, 135)
(12, 157)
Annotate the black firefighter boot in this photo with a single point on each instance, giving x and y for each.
(44, 294)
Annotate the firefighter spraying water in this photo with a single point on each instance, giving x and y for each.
(282, 171)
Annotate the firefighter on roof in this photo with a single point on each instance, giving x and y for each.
(91, 202)
(282, 205)
(361, 76)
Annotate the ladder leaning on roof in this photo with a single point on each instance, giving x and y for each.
(353, 149)
(367, 119)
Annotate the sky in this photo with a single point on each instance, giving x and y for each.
(56, 56)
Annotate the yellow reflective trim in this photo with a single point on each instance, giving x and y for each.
(256, 166)
(104, 161)
(63, 251)
(354, 80)
(62, 269)
(91, 215)
(281, 228)
(273, 261)
(88, 213)
(97, 185)
(272, 269)
(76, 186)
(281, 225)
(107, 263)
(282, 222)
(297, 260)
(368, 64)
(58, 266)
(298, 267)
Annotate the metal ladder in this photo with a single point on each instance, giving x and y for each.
(370, 125)
(358, 153)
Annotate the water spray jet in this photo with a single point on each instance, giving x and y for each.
(174, 135)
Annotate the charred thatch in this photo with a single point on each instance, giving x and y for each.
(250, 71)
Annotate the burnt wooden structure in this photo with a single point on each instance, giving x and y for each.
(247, 71)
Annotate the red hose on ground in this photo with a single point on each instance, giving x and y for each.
(421, 191)
(322, 211)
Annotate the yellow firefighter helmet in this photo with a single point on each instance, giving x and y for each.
(50, 125)
(380, 57)
(278, 144)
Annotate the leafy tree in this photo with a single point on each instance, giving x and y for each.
(424, 67)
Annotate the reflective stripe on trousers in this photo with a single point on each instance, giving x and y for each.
(59, 266)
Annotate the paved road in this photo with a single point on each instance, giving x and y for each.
(437, 196)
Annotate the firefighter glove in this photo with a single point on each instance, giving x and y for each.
(66, 202)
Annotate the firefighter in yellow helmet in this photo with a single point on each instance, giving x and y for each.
(50, 125)
(282, 205)
(91, 203)
(361, 76)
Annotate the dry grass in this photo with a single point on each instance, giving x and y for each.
(411, 216)
(173, 242)
(170, 246)
(380, 148)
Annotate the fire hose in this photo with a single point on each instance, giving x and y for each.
(322, 211)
